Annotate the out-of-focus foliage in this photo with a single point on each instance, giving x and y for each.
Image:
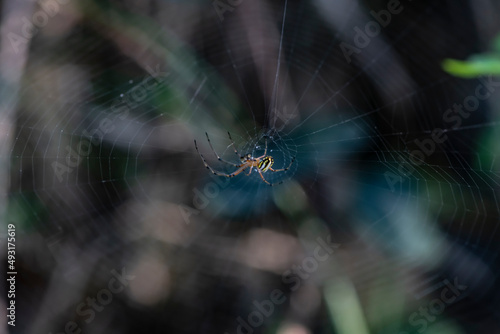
(359, 238)
(476, 65)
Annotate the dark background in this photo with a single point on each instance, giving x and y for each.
(146, 78)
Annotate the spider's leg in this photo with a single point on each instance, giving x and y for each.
(234, 146)
(283, 169)
(238, 171)
(202, 157)
(218, 157)
(263, 179)
(265, 152)
(250, 172)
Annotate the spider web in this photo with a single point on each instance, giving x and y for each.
(104, 134)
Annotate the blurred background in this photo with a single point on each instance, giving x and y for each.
(386, 221)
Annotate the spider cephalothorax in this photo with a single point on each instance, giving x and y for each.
(261, 164)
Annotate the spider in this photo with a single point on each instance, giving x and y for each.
(261, 164)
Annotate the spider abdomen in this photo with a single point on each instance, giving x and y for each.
(265, 163)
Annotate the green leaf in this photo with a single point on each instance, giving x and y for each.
(476, 66)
